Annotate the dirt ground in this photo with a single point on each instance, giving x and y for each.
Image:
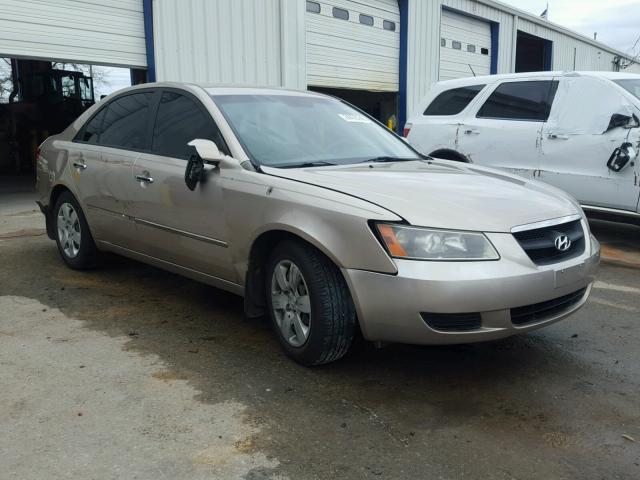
(131, 372)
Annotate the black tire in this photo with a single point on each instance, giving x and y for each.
(332, 313)
(87, 253)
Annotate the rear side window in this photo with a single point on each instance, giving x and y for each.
(453, 101)
(91, 132)
(126, 120)
(180, 120)
(529, 100)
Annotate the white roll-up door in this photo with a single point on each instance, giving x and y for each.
(80, 31)
(465, 46)
(360, 52)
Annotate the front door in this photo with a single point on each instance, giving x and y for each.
(186, 228)
(504, 132)
(578, 140)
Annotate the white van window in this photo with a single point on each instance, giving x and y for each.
(452, 102)
(528, 100)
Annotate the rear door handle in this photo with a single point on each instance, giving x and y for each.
(144, 179)
(471, 131)
(557, 136)
(80, 165)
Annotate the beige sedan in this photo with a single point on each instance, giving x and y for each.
(318, 215)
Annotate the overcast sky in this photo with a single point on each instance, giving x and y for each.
(616, 21)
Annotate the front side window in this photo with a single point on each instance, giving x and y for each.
(453, 101)
(179, 121)
(631, 85)
(528, 100)
(91, 132)
(126, 120)
(288, 130)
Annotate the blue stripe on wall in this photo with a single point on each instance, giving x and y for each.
(402, 74)
(147, 8)
(495, 45)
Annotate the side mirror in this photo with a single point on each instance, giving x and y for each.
(620, 120)
(207, 152)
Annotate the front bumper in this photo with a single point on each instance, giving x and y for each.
(391, 307)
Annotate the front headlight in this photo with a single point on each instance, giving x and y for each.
(415, 243)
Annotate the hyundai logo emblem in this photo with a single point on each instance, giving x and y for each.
(562, 243)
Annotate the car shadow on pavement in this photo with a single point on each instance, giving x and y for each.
(386, 407)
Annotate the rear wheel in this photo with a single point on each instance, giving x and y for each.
(309, 304)
(74, 240)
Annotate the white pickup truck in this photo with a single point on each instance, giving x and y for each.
(579, 131)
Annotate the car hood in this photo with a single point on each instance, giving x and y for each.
(442, 194)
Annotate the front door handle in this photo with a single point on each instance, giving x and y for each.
(144, 179)
(80, 165)
(557, 136)
(471, 131)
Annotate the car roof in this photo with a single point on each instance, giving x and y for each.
(515, 76)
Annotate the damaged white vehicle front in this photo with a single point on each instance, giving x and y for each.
(579, 131)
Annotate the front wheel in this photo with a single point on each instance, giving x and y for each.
(309, 304)
(74, 240)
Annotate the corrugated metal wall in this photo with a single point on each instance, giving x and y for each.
(80, 31)
(424, 34)
(424, 41)
(256, 42)
(349, 54)
(570, 53)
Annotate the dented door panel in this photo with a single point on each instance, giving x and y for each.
(577, 143)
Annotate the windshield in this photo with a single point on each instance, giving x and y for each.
(631, 85)
(290, 130)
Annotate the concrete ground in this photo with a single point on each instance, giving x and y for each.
(131, 372)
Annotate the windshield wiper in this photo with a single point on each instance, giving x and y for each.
(319, 163)
(387, 158)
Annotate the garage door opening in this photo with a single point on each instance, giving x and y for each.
(383, 106)
(39, 98)
(533, 54)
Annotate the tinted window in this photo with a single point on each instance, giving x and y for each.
(443, 42)
(91, 131)
(456, 45)
(471, 48)
(453, 101)
(179, 121)
(387, 25)
(520, 101)
(340, 13)
(484, 51)
(366, 19)
(313, 7)
(125, 123)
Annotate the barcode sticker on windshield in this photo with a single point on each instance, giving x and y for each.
(354, 118)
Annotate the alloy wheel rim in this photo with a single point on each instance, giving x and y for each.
(69, 233)
(290, 303)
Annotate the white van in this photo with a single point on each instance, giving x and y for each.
(579, 131)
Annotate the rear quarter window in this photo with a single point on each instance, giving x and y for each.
(454, 101)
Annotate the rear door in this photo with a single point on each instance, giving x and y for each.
(578, 141)
(504, 132)
(174, 224)
(436, 128)
(102, 161)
